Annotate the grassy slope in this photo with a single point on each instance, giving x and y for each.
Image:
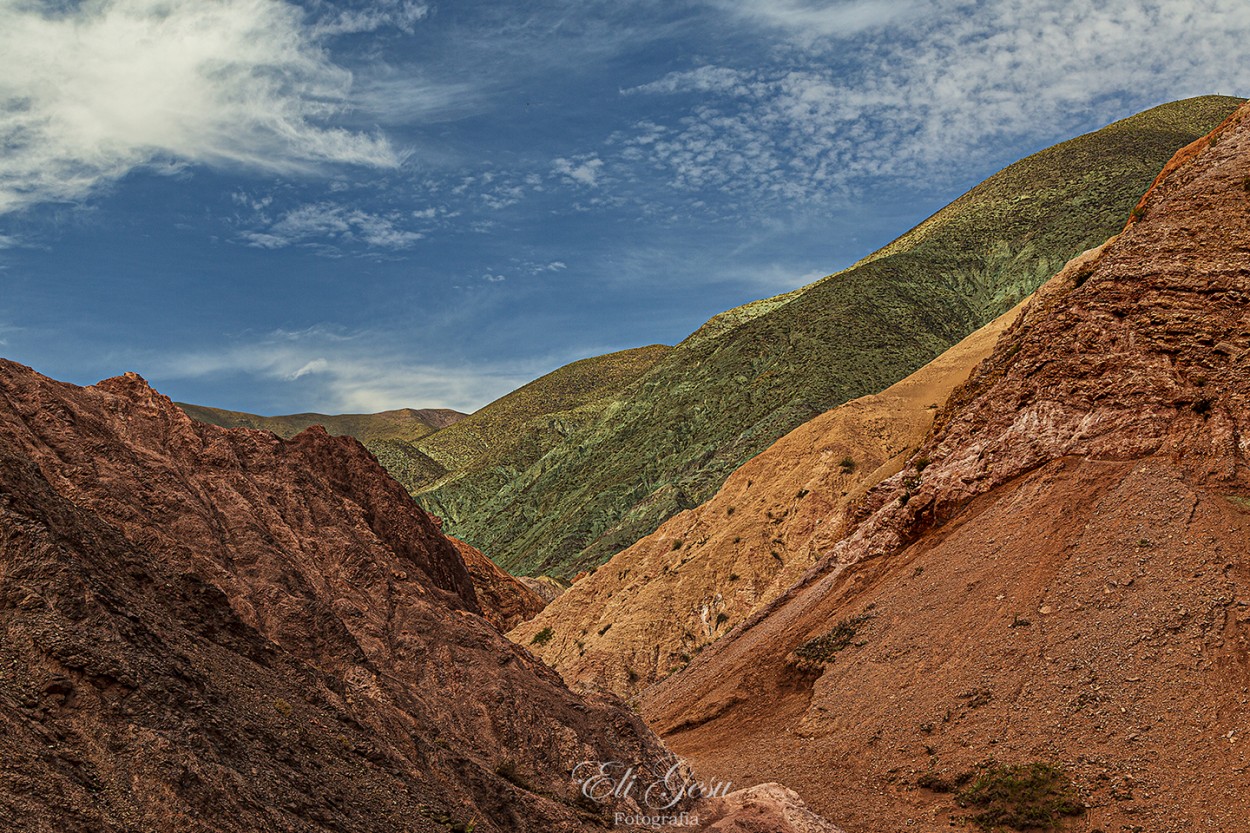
(403, 424)
(752, 374)
(475, 458)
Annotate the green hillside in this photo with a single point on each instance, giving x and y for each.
(752, 374)
(477, 457)
(403, 424)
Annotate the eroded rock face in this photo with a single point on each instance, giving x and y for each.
(1059, 574)
(205, 629)
(506, 601)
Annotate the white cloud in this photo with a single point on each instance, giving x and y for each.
(935, 91)
(331, 372)
(93, 90)
(584, 170)
(314, 366)
(401, 14)
(808, 21)
(328, 224)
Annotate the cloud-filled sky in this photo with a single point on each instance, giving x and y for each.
(278, 206)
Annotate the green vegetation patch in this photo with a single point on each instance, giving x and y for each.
(821, 649)
(543, 637)
(1034, 796)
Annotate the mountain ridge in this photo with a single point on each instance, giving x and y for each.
(725, 393)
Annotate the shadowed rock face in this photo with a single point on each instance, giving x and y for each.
(205, 629)
(1065, 579)
(506, 601)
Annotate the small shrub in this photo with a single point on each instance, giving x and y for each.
(1202, 406)
(543, 636)
(605, 629)
(734, 576)
(922, 463)
(721, 618)
(729, 511)
(821, 649)
(677, 542)
(847, 465)
(1034, 796)
(282, 707)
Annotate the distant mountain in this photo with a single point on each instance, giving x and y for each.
(405, 424)
(596, 484)
(472, 461)
(1055, 589)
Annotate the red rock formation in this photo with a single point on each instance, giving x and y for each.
(1059, 574)
(505, 600)
(204, 629)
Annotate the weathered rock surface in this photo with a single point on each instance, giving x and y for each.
(655, 605)
(1065, 579)
(204, 629)
(548, 589)
(766, 808)
(506, 602)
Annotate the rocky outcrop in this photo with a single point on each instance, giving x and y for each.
(1058, 576)
(655, 605)
(549, 589)
(506, 602)
(209, 629)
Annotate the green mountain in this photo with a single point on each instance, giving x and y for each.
(596, 483)
(403, 424)
(473, 461)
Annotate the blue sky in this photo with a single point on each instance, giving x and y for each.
(284, 206)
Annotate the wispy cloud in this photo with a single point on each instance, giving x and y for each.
(809, 21)
(336, 372)
(92, 90)
(930, 92)
(400, 14)
(328, 224)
